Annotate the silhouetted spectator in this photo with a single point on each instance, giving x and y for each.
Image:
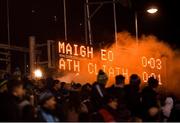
(76, 87)
(73, 107)
(49, 82)
(86, 91)
(55, 89)
(132, 95)
(27, 109)
(9, 107)
(118, 89)
(86, 96)
(150, 97)
(98, 90)
(64, 91)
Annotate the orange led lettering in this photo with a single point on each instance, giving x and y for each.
(158, 62)
(118, 70)
(125, 72)
(62, 64)
(90, 52)
(69, 63)
(153, 75)
(83, 51)
(111, 72)
(75, 50)
(110, 56)
(68, 49)
(159, 79)
(144, 61)
(104, 68)
(152, 63)
(61, 47)
(76, 66)
(90, 68)
(103, 54)
(145, 76)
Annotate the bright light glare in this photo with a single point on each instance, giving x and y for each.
(152, 10)
(38, 73)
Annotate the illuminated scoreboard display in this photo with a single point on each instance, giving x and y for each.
(84, 62)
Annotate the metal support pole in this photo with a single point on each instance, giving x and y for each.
(8, 38)
(65, 20)
(49, 53)
(53, 55)
(85, 24)
(136, 27)
(32, 55)
(115, 23)
(89, 22)
(25, 64)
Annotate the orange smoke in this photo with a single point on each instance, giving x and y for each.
(151, 57)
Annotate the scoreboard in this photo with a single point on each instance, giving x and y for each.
(85, 61)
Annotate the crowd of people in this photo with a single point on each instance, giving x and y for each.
(51, 100)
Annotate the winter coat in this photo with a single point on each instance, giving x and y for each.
(9, 108)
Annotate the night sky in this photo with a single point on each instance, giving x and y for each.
(44, 19)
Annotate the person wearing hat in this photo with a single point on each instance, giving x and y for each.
(47, 106)
(98, 90)
(102, 78)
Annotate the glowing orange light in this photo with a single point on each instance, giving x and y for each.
(90, 52)
(76, 66)
(144, 61)
(111, 72)
(103, 54)
(118, 70)
(125, 72)
(75, 50)
(110, 56)
(38, 73)
(152, 63)
(145, 76)
(62, 64)
(83, 51)
(159, 78)
(153, 75)
(158, 62)
(61, 47)
(68, 49)
(90, 68)
(69, 63)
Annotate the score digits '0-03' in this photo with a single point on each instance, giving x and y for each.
(151, 62)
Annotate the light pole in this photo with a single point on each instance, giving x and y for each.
(8, 38)
(65, 20)
(151, 10)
